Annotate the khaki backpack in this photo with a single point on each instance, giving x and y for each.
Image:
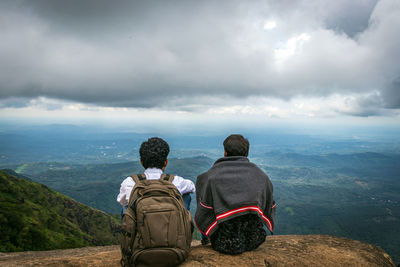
(156, 227)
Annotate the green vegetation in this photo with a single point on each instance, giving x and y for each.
(34, 217)
(21, 168)
(289, 210)
(97, 185)
(354, 196)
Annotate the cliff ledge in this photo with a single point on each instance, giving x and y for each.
(289, 250)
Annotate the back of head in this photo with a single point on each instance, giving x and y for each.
(154, 153)
(236, 145)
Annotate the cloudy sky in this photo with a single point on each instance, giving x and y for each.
(217, 62)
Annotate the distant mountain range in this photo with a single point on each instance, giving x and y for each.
(35, 217)
(350, 195)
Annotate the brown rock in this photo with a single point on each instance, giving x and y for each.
(290, 250)
(88, 256)
(296, 250)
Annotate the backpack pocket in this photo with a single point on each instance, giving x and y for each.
(159, 228)
(128, 230)
(158, 257)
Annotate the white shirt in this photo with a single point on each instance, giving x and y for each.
(183, 185)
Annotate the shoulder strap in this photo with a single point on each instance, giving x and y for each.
(167, 177)
(138, 177)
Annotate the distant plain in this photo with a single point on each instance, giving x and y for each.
(342, 186)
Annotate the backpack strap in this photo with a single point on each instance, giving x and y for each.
(138, 177)
(167, 177)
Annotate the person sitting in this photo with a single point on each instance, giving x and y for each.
(235, 202)
(153, 157)
(156, 228)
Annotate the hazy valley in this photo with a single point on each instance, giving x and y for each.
(341, 187)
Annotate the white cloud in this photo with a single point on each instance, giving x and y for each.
(336, 105)
(293, 45)
(268, 58)
(269, 25)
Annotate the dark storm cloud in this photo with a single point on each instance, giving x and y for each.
(391, 94)
(350, 17)
(154, 53)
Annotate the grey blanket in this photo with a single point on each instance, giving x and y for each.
(233, 187)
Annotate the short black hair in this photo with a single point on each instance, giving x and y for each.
(154, 153)
(236, 145)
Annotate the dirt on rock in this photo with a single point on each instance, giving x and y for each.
(289, 250)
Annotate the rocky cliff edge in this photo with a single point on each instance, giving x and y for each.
(289, 250)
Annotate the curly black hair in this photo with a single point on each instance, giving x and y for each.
(240, 234)
(154, 153)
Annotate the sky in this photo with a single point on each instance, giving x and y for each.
(197, 64)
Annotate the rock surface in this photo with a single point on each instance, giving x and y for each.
(297, 250)
(290, 250)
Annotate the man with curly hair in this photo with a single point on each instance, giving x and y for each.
(153, 157)
(235, 204)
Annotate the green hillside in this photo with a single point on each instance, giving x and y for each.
(97, 185)
(34, 217)
(316, 194)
